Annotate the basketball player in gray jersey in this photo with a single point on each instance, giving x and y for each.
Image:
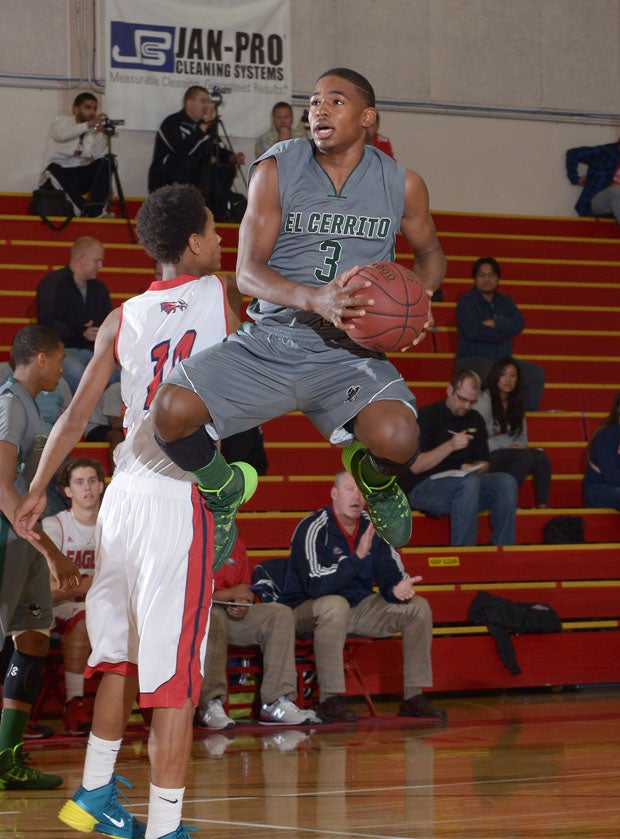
(316, 211)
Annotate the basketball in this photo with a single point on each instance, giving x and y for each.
(400, 310)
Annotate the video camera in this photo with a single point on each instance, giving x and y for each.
(109, 125)
(216, 96)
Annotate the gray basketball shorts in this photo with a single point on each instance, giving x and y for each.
(25, 596)
(262, 372)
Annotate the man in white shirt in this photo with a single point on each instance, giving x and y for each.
(75, 156)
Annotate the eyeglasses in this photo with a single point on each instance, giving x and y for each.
(463, 400)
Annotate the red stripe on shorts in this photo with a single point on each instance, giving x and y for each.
(187, 680)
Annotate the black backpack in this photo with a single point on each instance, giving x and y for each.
(564, 530)
(48, 201)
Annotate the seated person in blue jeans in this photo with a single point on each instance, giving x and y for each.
(601, 483)
(454, 437)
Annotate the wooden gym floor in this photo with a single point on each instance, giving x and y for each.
(536, 765)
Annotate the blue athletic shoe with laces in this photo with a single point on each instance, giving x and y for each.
(99, 809)
(182, 832)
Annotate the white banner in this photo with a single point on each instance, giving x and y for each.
(156, 49)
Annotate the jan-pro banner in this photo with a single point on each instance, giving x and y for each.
(156, 49)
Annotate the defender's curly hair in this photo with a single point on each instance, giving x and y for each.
(168, 218)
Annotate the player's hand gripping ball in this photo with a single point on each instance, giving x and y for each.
(400, 310)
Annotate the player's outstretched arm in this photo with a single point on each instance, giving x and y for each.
(418, 228)
(63, 570)
(69, 427)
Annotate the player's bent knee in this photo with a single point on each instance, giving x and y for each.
(177, 411)
(23, 678)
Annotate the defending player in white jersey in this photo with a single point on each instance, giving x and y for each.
(73, 531)
(147, 610)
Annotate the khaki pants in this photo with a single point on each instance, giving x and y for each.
(331, 618)
(272, 626)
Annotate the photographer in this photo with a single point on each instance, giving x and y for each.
(188, 151)
(75, 157)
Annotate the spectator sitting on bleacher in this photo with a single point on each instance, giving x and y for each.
(601, 482)
(486, 322)
(451, 474)
(74, 533)
(281, 129)
(269, 624)
(74, 303)
(76, 156)
(336, 556)
(501, 405)
(600, 195)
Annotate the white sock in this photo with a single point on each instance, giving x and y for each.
(100, 761)
(74, 684)
(165, 807)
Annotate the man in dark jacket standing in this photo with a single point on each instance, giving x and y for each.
(487, 321)
(600, 195)
(336, 556)
(74, 303)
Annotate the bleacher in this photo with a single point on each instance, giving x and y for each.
(564, 275)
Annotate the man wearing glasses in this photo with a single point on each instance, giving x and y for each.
(451, 474)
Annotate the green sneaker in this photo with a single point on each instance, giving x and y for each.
(388, 507)
(224, 504)
(20, 775)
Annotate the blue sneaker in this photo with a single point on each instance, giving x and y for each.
(99, 809)
(182, 832)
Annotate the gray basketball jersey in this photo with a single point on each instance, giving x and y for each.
(21, 425)
(322, 232)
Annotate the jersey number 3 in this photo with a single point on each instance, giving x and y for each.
(160, 355)
(332, 250)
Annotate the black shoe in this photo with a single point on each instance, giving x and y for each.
(335, 709)
(38, 732)
(421, 706)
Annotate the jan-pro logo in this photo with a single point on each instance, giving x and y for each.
(140, 45)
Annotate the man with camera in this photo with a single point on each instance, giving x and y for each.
(188, 151)
(76, 156)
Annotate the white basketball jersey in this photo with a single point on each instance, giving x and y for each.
(172, 320)
(78, 542)
(75, 540)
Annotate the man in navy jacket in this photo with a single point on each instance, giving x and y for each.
(600, 195)
(336, 557)
(487, 321)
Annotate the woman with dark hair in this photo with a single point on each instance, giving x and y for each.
(601, 483)
(501, 404)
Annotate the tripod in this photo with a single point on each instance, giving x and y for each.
(227, 144)
(227, 206)
(113, 180)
